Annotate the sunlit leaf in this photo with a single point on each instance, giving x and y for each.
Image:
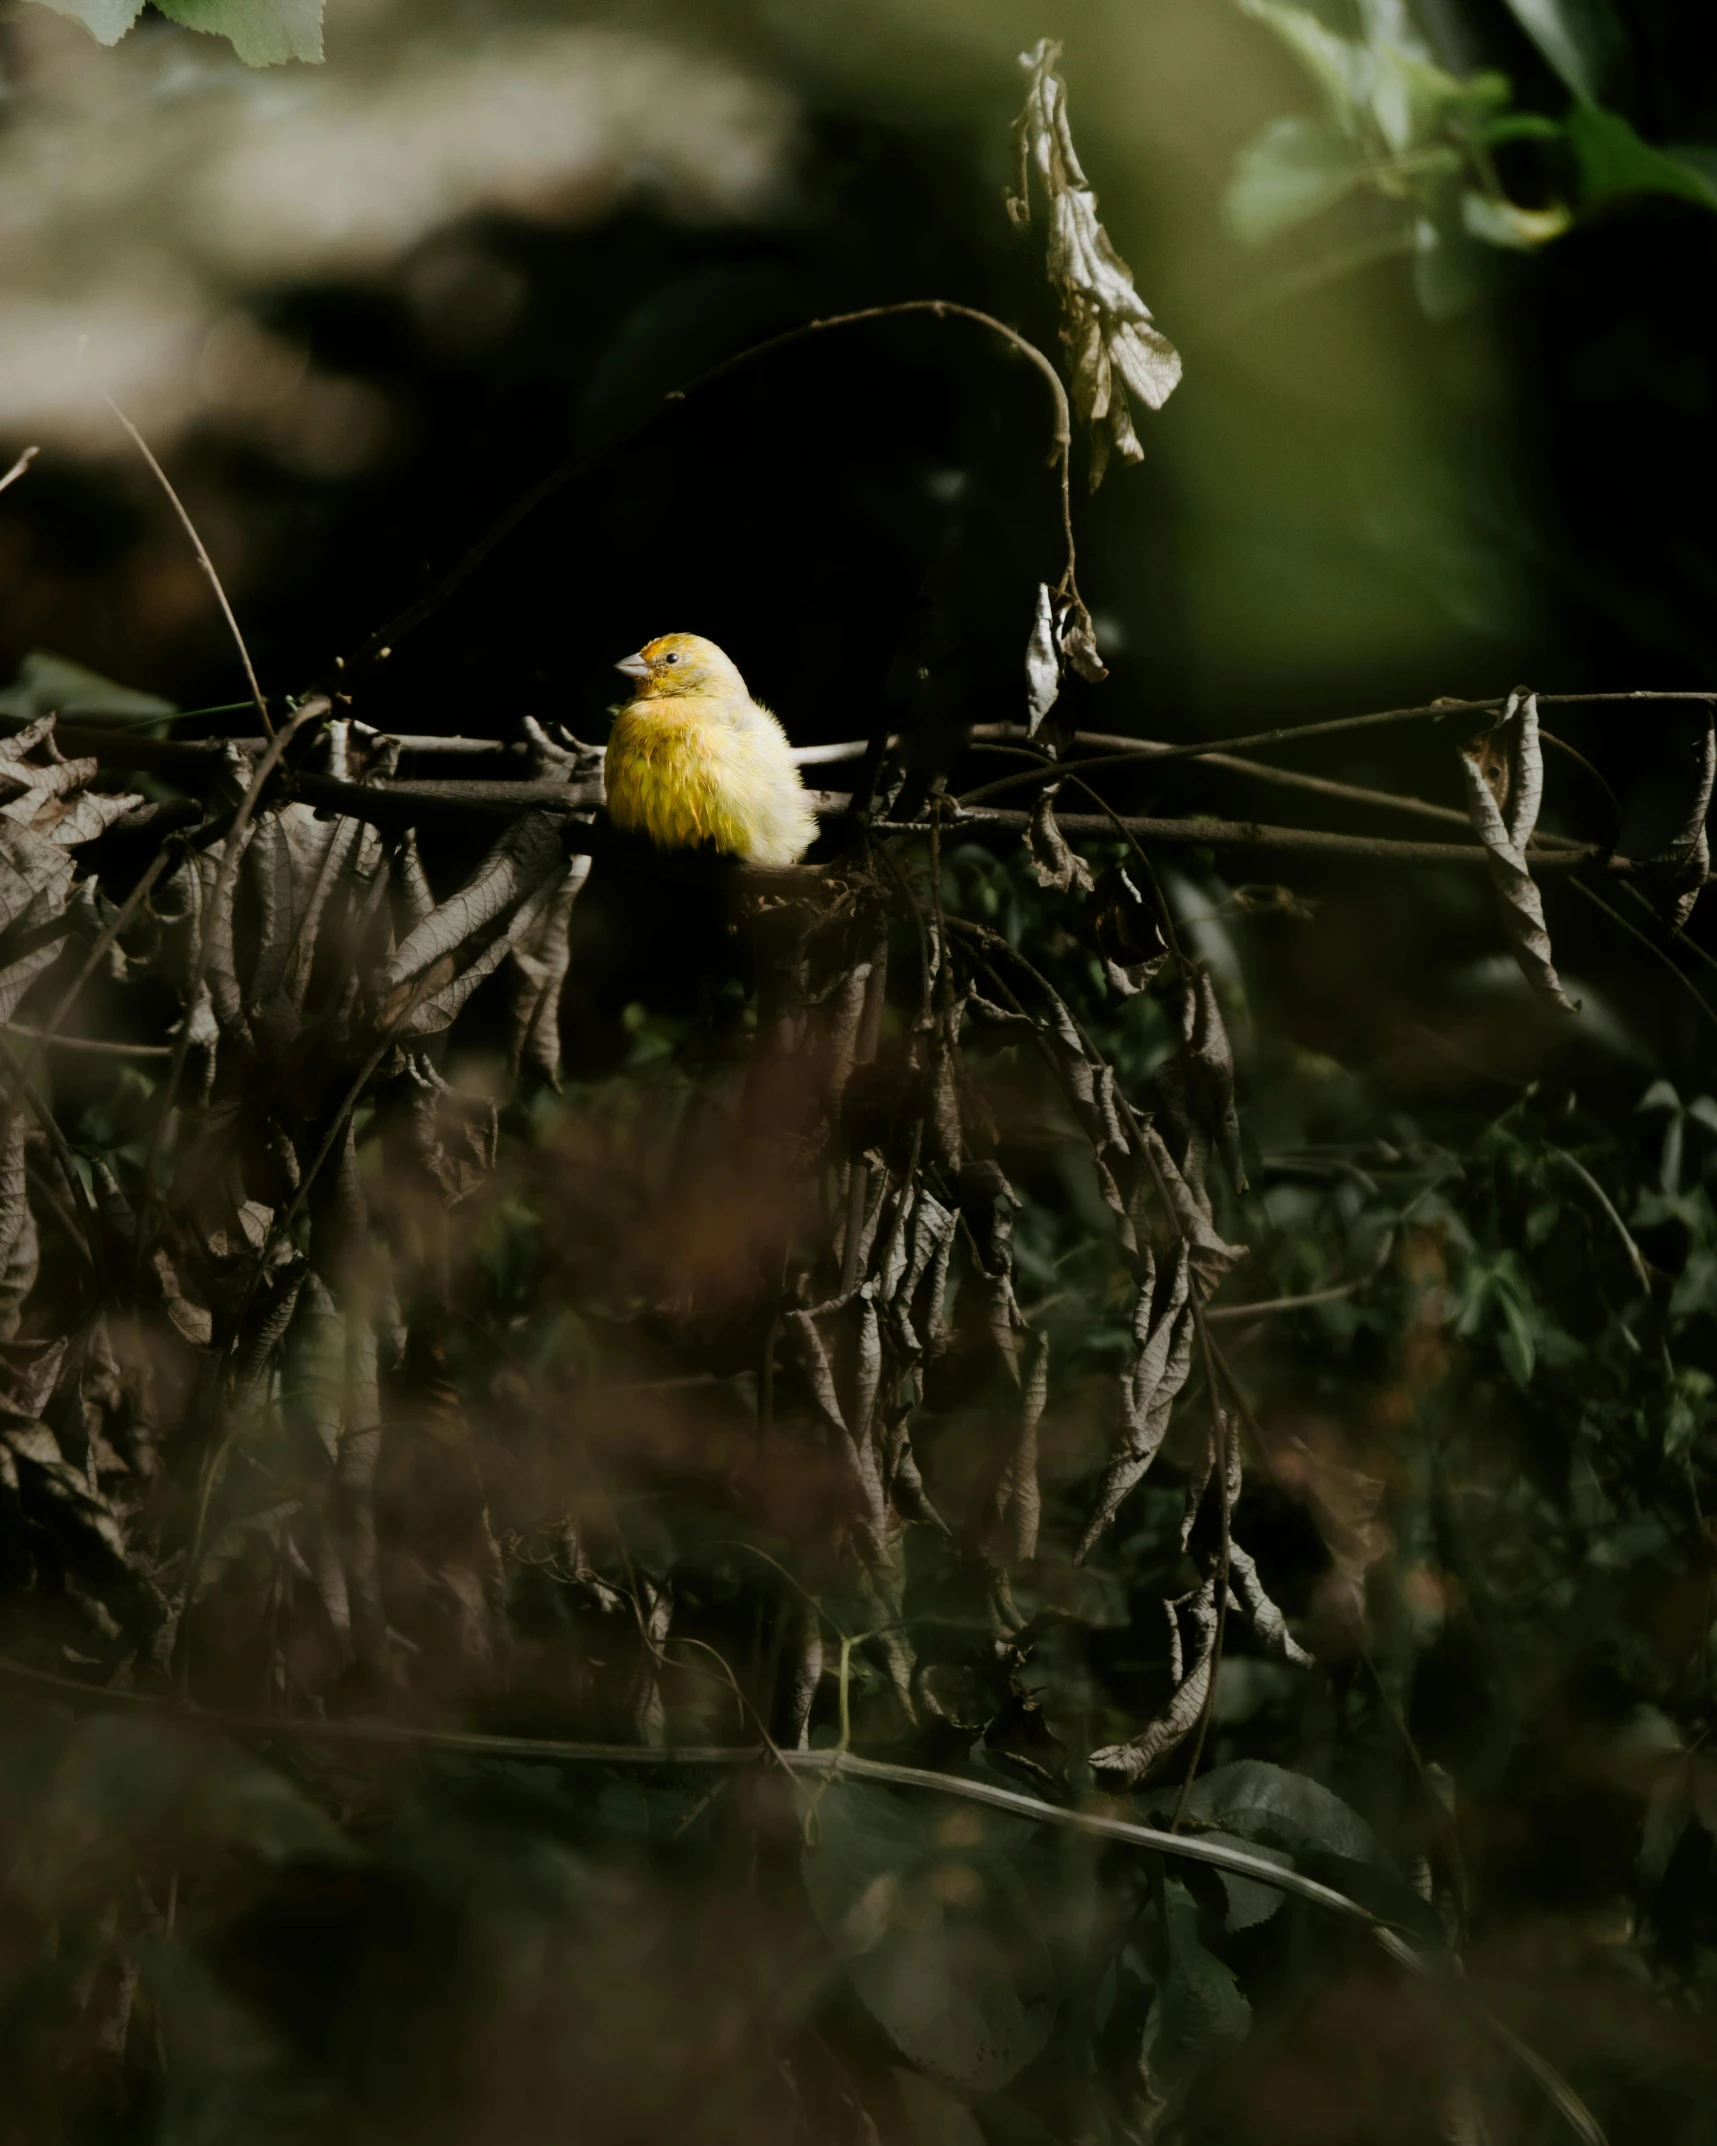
(106, 20)
(1114, 348)
(262, 32)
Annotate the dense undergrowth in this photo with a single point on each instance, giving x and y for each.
(639, 1498)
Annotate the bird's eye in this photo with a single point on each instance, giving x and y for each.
(670, 657)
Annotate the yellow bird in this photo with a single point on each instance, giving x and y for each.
(694, 759)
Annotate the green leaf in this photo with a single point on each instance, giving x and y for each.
(1199, 2016)
(106, 20)
(1296, 167)
(1515, 1343)
(123, 1783)
(1541, 1220)
(1252, 1797)
(1615, 162)
(262, 32)
(54, 685)
(1689, 1411)
(1695, 1287)
(937, 1931)
(1581, 39)
(1249, 1902)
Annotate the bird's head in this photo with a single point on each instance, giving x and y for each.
(679, 664)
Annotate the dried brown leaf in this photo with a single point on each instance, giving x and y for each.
(1162, 1361)
(1053, 864)
(1042, 663)
(1113, 347)
(1192, 1651)
(1688, 859)
(1506, 839)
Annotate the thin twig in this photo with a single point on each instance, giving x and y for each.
(1264, 771)
(1658, 953)
(203, 559)
(1636, 1258)
(19, 467)
(1283, 734)
(1197, 832)
(96, 1046)
(1269, 1306)
(1297, 733)
(386, 638)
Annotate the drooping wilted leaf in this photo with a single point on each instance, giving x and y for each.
(1199, 1081)
(1192, 1652)
(1267, 1620)
(35, 876)
(1162, 1341)
(1113, 347)
(1688, 859)
(48, 793)
(1125, 930)
(1053, 863)
(1008, 1533)
(468, 924)
(19, 1248)
(541, 955)
(1042, 664)
(1506, 837)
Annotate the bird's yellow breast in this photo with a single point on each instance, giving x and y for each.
(692, 771)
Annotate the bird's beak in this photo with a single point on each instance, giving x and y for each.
(633, 666)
